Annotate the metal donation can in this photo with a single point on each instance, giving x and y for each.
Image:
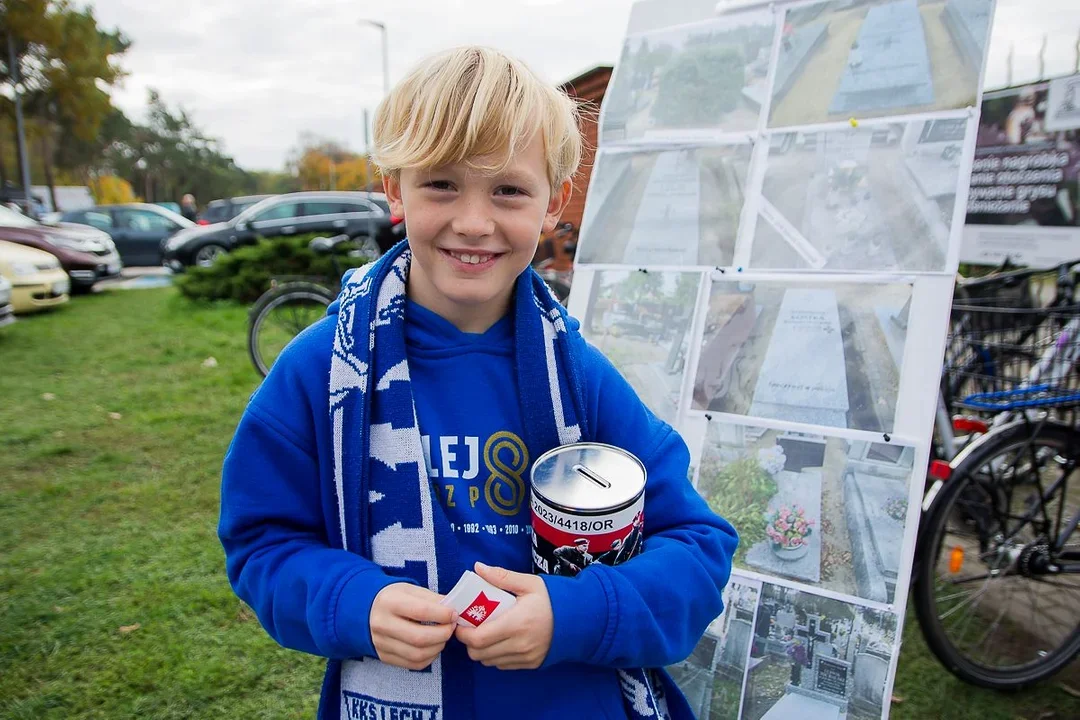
(588, 505)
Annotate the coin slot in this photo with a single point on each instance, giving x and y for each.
(592, 476)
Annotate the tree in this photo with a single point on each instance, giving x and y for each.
(321, 163)
(66, 62)
(699, 86)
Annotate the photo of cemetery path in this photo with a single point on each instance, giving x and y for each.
(641, 322)
(817, 353)
(665, 208)
(704, 76)
(820, 511)
(712, 677)
(880, 197)
(870, 58)
(814, 657)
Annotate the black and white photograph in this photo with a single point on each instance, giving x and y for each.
(873, 58)
(819, 353)
(815, 509)
(815, 658)
(878, 197)
(712, 677)
(641, 322)
(703, 77)
(673, 207)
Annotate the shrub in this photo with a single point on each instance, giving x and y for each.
(245, 274)
(739, 492)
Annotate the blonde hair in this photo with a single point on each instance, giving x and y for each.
(477, 106)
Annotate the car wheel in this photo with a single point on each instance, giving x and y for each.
(207, 255)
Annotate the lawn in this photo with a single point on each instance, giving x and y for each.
(113, 597)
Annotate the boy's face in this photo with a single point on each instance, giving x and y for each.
(472, 234)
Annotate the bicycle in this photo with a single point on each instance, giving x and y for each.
(997, 577)
(291, 305)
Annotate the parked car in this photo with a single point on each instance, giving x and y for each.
(360, 215)
(7, 312)
(37, 280)
(88, 255)
(227, 208)
(137, 228)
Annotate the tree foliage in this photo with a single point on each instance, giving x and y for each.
(702, 83)
(320, 163)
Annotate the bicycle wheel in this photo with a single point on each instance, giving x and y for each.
(279, 315)
(989, 600)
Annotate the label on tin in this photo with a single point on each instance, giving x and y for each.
(565, 544)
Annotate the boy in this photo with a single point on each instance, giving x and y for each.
(389, 448)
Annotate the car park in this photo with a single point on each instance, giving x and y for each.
(37, 280)
(138, 229)
(362, 216)
(7, 312)
(226, 209)
(87, 255)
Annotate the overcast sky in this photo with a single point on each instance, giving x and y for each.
(256, 74)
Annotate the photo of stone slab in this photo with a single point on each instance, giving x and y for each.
(641, 322)
(690, 80)
(834, 664)
(808, 352)
(712, 676)
(853, 494)
(870, 197)
(873, 58)
(665, 208)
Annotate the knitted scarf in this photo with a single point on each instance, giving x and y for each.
(385, 507)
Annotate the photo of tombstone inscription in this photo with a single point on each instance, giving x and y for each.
(698, 78)
(877, 197)
(665, 207)
(816, 658)
(816, 353)
(712, 677)
(819, 510)
(641, 322)
(870, 58)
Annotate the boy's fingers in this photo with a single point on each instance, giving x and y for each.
(513, 582)
(424, 609)
(402, 654)
(490, 633)
(504, 649)
(418, 635)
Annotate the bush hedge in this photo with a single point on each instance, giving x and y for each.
(245, 274)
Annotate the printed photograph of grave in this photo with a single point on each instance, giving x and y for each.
(815, 353)
(641, 322)
(874, 197)
(814, 657)
(665, 207)
(819, 510)
(712, 677)
(708, 76)
(871, 58)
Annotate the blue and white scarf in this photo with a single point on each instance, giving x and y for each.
(386, 510)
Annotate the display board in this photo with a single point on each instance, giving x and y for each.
(770, 239)
(1025, 183)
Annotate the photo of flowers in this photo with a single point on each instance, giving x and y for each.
(819, 510)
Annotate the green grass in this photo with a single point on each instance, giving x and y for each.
(109, 522)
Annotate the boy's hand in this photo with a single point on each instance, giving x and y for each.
(520, 639)
(396, 632)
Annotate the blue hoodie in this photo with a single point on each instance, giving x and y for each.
(278, 509)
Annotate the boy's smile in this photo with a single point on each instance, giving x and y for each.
(472, 233)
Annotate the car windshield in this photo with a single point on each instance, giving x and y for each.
(10, 218)
(166, 212)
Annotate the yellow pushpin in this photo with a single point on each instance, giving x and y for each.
(854, 122)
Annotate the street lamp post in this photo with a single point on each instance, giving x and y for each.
(386, 86)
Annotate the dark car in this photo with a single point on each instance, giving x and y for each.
(87, 255)
(227, 208)
(363, 216)
(138, 229)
